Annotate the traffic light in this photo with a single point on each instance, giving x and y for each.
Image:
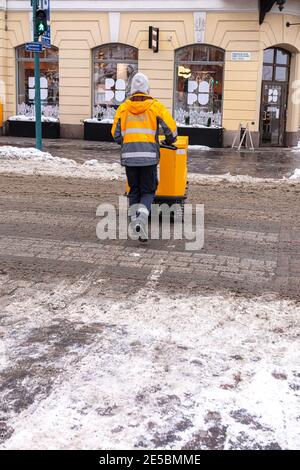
(41, 25)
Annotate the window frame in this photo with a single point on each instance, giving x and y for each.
(31, 59)
(199, 62)
(111, 61)
(274, 65)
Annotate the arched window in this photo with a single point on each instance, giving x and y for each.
(276, 65)
(114, 65)
(49, 82)
(199, 85)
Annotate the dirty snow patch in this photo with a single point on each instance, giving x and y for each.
(205, 371)
(199, 178)
(199, 147)
(30, 161)
(295, 175)
(24, 153)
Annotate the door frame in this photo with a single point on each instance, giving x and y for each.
(283, 112)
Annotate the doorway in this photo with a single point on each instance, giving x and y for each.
(274, 97)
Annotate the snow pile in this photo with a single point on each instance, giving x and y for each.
(30, 161)
(21, 117)
(204, 371)
(99, 121)
(295, 175)
(199, 126)
(199, 178)
(30, 153)
(199, 147)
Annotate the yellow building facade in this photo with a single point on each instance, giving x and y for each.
(216, 67)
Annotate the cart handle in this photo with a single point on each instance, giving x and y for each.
(166, 146)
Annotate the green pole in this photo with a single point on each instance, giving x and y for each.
(37, 77)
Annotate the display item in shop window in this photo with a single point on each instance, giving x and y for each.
(104, 113)
(196, 118)
(48, 111)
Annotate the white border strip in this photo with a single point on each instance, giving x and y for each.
(291, 8)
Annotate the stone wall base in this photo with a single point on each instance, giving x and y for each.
(228, 138)
(71, 131)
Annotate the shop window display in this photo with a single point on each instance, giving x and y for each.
(114, 65)
(26, 84)
(199, 86)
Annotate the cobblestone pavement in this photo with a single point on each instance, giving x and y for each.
(65, 376)
(252, 234)
(261, 163)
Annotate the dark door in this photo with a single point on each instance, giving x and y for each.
(273, 113)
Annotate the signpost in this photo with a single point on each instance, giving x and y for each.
(37, 74)
(41, 27)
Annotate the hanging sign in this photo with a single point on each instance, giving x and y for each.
(46, 38)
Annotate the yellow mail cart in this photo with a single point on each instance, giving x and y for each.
(173, 170)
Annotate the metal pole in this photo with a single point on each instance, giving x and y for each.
(37, 77)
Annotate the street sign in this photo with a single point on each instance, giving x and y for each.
(241, 55)
(46, 39)
(34, 46)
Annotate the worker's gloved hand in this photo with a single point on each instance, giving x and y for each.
(164, 143)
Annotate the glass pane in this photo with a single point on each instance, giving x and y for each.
(281, 74)
(23, 54)
(49, 71)
(25, 71)
(51, 53)
(282, 57)
(272, 94)
(101, 53)
(268, 56)
(200, 54)
(130, 53)
(198, 95)
(112, 82)
(216, 55)
(268, 72)
(184, 54)
(116, 52)
(271, 125)
(49, 88)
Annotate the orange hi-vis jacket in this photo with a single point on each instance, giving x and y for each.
(136, 129)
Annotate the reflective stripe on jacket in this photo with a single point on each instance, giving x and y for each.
(136, 129)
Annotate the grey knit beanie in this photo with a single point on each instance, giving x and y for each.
(140, 84)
